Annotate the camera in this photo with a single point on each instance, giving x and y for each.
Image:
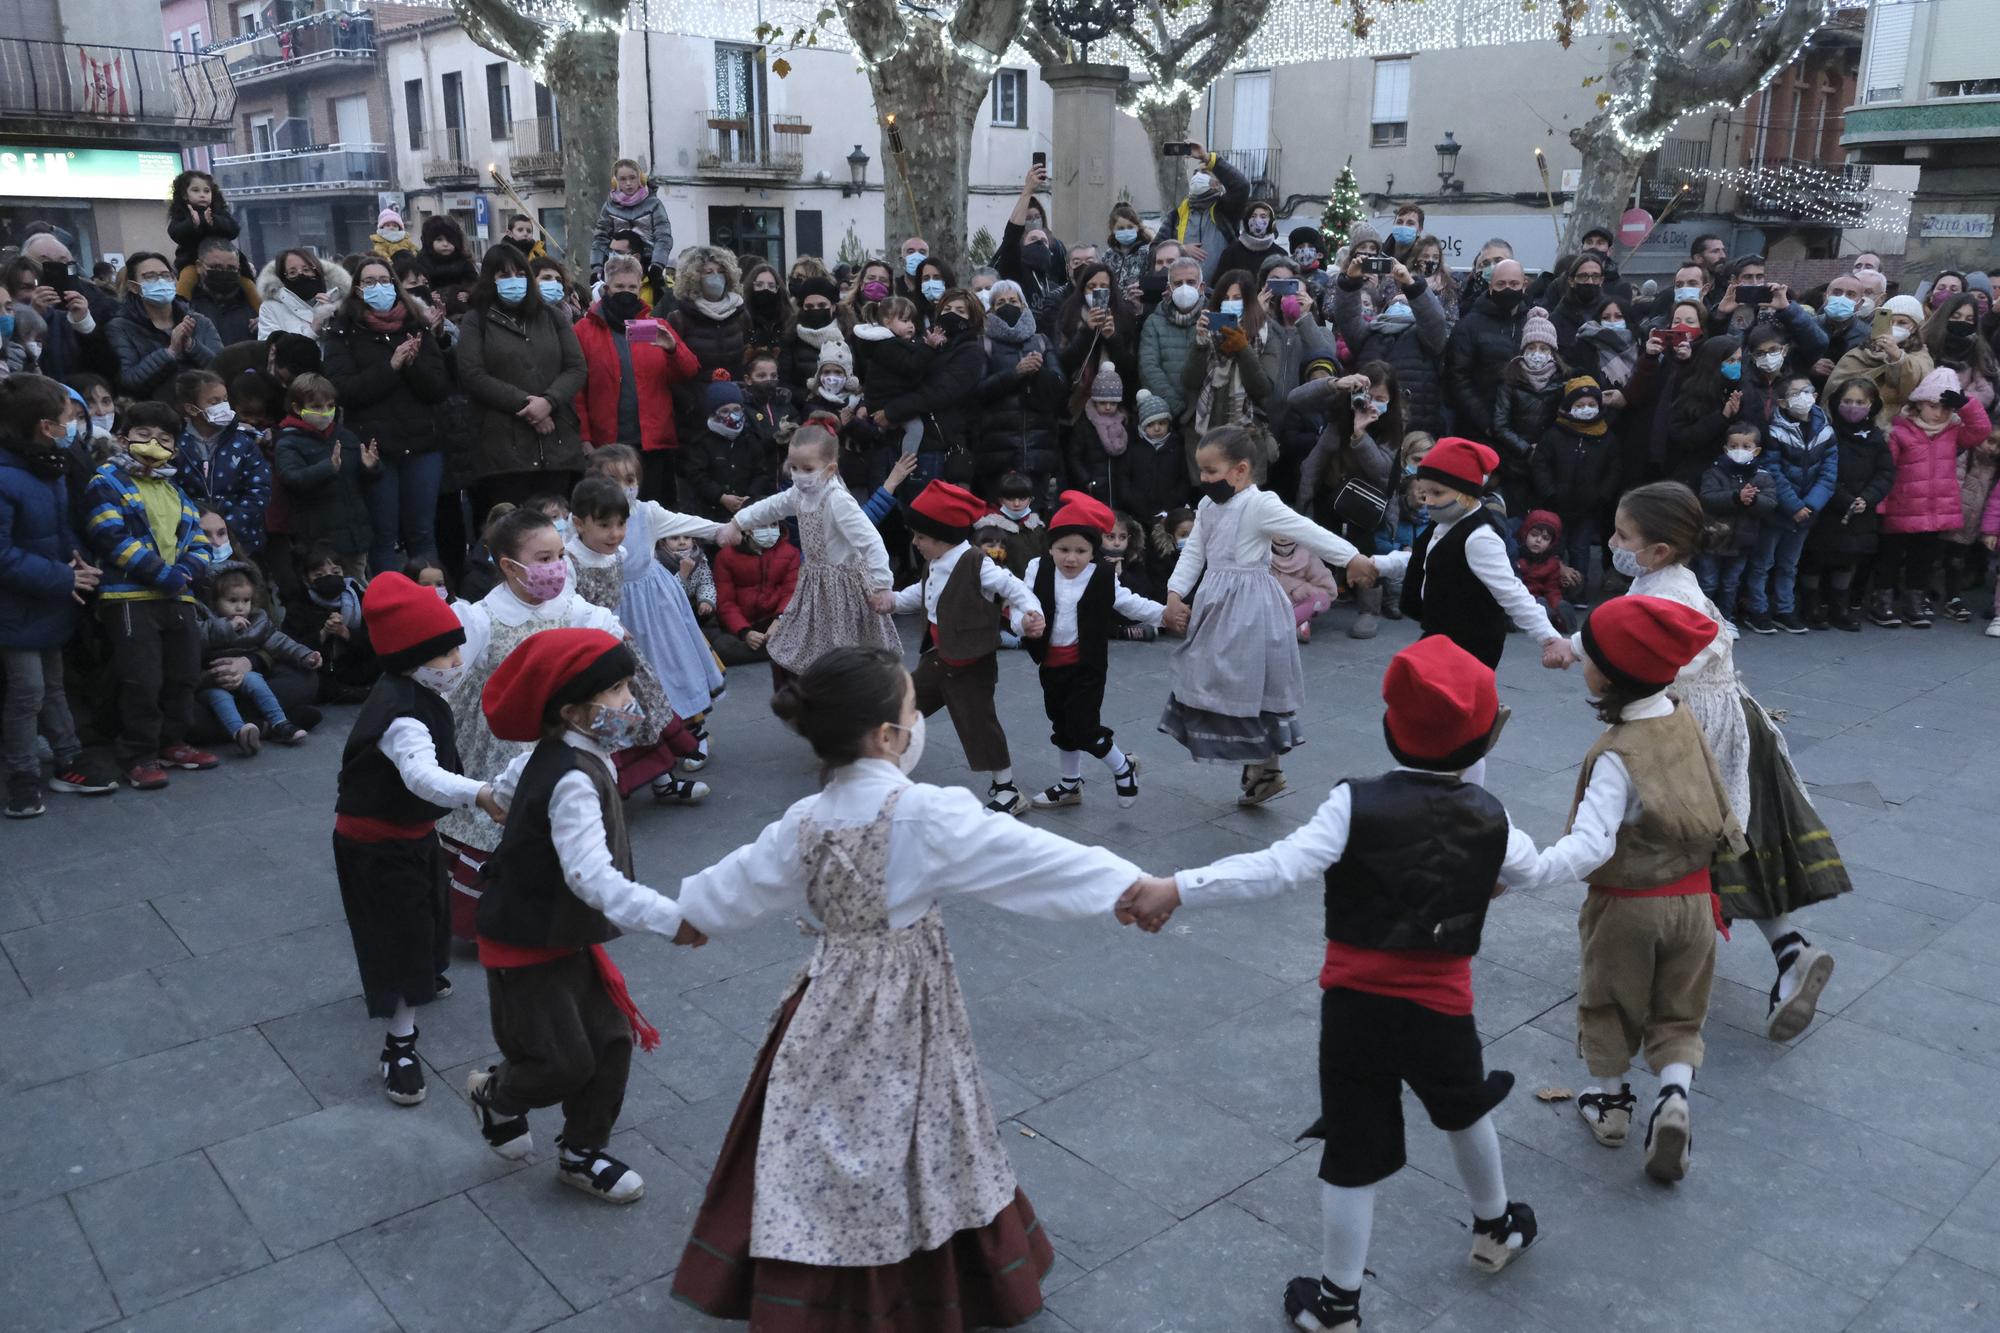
(1363, 400)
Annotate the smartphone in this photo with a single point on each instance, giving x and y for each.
(641, 330)
(1217, 321)
(1283, 286)
(1179, 148)
(1097, 298)
(1377, 264)
(1674, 337)
(1040, 159)
(1760, 294)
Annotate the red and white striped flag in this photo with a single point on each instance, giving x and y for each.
(103, 86)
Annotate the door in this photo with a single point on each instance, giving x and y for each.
(453, 147)
(756, 232)
(738, 101)
(806, 231)
(350, 120)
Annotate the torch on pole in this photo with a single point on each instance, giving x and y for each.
(506, 188)
(896, 147)
(1555, 218)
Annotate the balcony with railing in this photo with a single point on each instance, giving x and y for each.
(446, 156)
(1676, 162)
(319, 41)
(750, 147)
(535, 152)
(58, 89)
(1260, 165)
(1831, 195)
(319, 169)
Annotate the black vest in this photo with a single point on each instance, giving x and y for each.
(1093, 613)
(526, 899)
(1424, 851)
(1441, 593)
(370, 786)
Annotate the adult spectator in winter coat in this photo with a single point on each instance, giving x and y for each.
(1293, 340)
(1256, 242)
(1210, 215)
(300, 294)
(873, 283)
(1895, 360)
(1096, 325)
(1605, 348)
(1168, 334)
(958, 333)
(520, 364)
(1483, 343)
(712, 319)
(77, 313)
(631, 206)
(448, 265)
(220, 292)
(382, 357)
(770, 309)
(155, 336)
(1841, 320)
(1709, 399)
(1409, 333)
(1225, 380)
(1021, 396)
(628, 392)
(1027, 253)
(812, 329)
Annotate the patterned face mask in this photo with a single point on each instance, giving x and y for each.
(617, 727)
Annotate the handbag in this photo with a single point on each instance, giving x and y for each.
(1360, 505)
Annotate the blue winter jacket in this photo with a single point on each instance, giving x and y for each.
(36, 609)
(235, 479)
(134, 569)
(1805, 461)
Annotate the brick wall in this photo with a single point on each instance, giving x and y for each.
(1805, 274)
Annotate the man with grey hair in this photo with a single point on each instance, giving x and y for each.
(222, 293)
(74, 311)
(1168, 334)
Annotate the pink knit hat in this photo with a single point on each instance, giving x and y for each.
(1936, 385)
(1537, 328)
(388, 217)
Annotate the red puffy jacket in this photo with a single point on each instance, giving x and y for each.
(657, 372)
(753, 586)
(1925, 496)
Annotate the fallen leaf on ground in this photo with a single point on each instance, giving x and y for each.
(1554, 1094)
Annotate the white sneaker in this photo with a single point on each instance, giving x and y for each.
(1993, 628)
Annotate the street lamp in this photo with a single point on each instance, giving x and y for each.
(857, 172)
(1448, 166)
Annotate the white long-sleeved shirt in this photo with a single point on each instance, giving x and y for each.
(1263, 518)
(1486, 555)
(994, 581)
(1677, 583)
(942, 844)
(1609, 802)
(850, 538)
(652, 523)
(407, 744)
(1305, 853)
(576, 824)
(502, 607)
(1069, 591)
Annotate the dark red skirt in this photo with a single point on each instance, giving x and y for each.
(989, 1277)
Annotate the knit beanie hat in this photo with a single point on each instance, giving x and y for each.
(1443, 711)
(408, 624)
(1904, 305)
(388, 217)
(836, 353)
(1307, 236)
(1548, 522)
(548, 670)
(1537, 328)
(722, 391)
(1152, 407)
(1643, 642)
(1578, 389)
(1107, 386)
(819, 287)
(1360, 232)
(1936, 385)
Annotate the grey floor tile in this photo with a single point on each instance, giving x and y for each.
(76, 951)
(315, 1292)
(218, 915)
(1159, 986)
(166, 1230)
(650, 1308)
(49, 1280)
(254, 983)
(1091, 1218)
(1933, 1294)
(1046, 1045)
(1971, 1234)
(698, 1057)
(1896, 1086)
(1261, 1066)
(74, 1031)
(1904, 1005)
(692, 1135)
(162, 1105)
(445, 1267)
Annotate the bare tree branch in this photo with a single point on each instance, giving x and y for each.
(989, 24)
(1233, 22)
(503, 29)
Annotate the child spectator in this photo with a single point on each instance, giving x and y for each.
(1575, 470)
(1540, 563)
(426, 572)
(1100, 441)
(554, 508)
(1307, 582)
(391, 237)
(239, 628)
(1170, 538)
(482, 575)
(633, 206)
(149, 537)
(1404, 517)
(1030, 538)
(325, 470)
(42, 576)
(1123, 549)
(328, 619)
(1847, 530)
(896, 373)
(1739, 490)
(220, 461)
(1524, 407)
(686, 561)
(769, 416)
(1805, 464)
(1150, 477)
(196, 211)
(1937, 424)
(754, 583)
(726, 465)
(98, 402)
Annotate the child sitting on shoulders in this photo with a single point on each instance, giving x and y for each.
(239, 628)
(196, 211)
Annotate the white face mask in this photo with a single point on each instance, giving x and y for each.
(441, 679)
(1800, 405)
(1186, 298)
(219, 414)
(391, 233)
(103, 422)
(985, 295)
(764, 537)
(907, 760)
(810, 483)
(1864, 307)
(1200, 183)
(1740, 457)
(1627, 563)
(832, 385)
(1768, 362)
(1900, 332)
(1583, 412)
(1538, 360)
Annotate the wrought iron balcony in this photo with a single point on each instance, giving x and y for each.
(1677, 162)
(1260, 165)
(535, 153)
(753, 147)
(447, 157)
(60, 87)
(316, 170)
(338, 40)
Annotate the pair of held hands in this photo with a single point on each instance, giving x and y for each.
(1152, 899)
(1361, 573)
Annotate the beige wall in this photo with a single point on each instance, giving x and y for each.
(112, 22)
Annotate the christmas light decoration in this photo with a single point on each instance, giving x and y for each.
(1826, 196)
(1343, 208)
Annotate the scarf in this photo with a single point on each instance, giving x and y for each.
(1110, 432)
(1015, 335)
(624, 200)
(386, 321)
(348, 603)
(293, 421)
(726, 308)
(1222, 376)
(137, 467)
(1392, 323)
(1618, 352)
(1179, 318)
(1264, 242)
(1592, 428)
(1539, 378)
(1950, 423)
(819, 338)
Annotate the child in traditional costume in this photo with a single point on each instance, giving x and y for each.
(1410, 860)
(862, 1182)
(958, 670)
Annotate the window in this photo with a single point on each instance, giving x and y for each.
(1010, 99)
(1389, 121)
(1250, 116)
(413, 111)
(1888, 52)
(245, 13)
(499, 102)
(739, 104)
(349, 116)
(263, 133)
(452, 146)
(194, 38)
(175, 41)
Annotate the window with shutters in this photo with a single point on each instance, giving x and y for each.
(1010, 99)
(1389, 120)
(1888, 54)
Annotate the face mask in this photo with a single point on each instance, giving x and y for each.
(1732, 371)
(1232, 306)
(1402, 235)
(1200, 183)
(1124, 235)
(623, 306)
(221, 553)
(1010, 315)
(391, 234)
(1583, 293)
(1289, 307)
(1583, 412)
(442, 680)
(1258, 224)
(1741, 457)
(914, 261)
(543, 581)
(564, 528)
(1626, 563)
(953, 323)
(815, 319)
(421, 293)
(616, 727)
(1864, 308)
(511, 290)
(932, 288)
(764, 537)
(1768, 362)
(1036, 255)
(906, 762)
(1687, 293)
(874, 291)
(317, 418)
(1015, 512)
(103, 422)
(1856, 413)
(327, 587)
(712, 286)
(1957, 336)
(1538, 360)
(1900, 332)
(1839, 309)
(763, 299)
(378, 295)
(73, 432)
(157, 291)
(1615, 325)
(1800, 405)
(831, 385)
(220, 284)
(1506, 299)
(1306, 255)
(810, 483)
(551, 290)
(219, 414)
(985, 295)
(727, 427)
(1186, 298)
(1218, 490)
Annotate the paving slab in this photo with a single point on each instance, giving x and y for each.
(166, 1230)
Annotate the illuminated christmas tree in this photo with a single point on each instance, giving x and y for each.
(1343, 210)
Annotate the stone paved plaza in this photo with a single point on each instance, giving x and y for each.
(195, 1139)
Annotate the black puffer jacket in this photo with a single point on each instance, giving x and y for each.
(1576, 476)
(1483, 342)
(1018, 415)
(1415, 353)
(396, 406)
(1522, 414)
(1865, 468)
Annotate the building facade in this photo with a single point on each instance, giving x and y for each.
(1930, 97)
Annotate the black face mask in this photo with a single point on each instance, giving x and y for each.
(1958, 336)
(1010, 315)
(327, 587)
(759, 393)
(1036, 256)
(1219, 491)
(953, 323)
(1507, 301)
(1585, 293)
(797, 287)
(623, 306)
(763, 302)
(421, 293)
(305, 286)
(220, 282)
(815, 319)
